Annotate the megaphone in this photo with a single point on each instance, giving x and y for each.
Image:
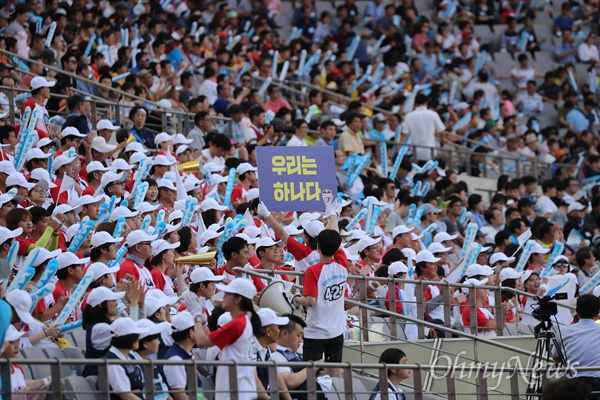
(197, 259)
(190, 166)
(277, 299)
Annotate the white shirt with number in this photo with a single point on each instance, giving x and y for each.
(326, 282)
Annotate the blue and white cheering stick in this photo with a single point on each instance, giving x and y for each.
(125, 37)
(362, 214)
(397, 134)
(572, 81)
(119, 227)
(418, 215)
(590, 284)
(37, 294)
(75, 298)
(365, 161)
(124, 203)
(101, 46)
(160, 229)
(357, 83)
(311, 111)
(412, 209)
(275, 64)
(228, 232)
(378, 74)
(399, 157)
(352, 48)
(38, 25)
(472, 257)
(424, 190)
(496, 115)
(558, 249)
(302, 61)
(373, 221)
(463, 121)
(284, 70)
(416, 189)
(242, 71)
(356, 69)
(136, 36)
(21, 64)
(409, 103)
(298, 34)
(146, 223)
(160, 217)
(291, 36)
(11, 258)
(378, 45)
(120, 77)
(368, 204)
(463, 212)
(480, 61)
(188, 210)
(464, 218)
(50, 35)
(84, 230)
(199, 32)
(483, 104)
(518, 10)
(120, 254)
(235, 40)
(194, 27)
(429, 229)
(397, 20)
(48, 273)
(384, 166)
(592, 83)
(23, 276)
(469, 238)
(71, 326)
(30, 136)
(140, 194)
(527, 250)
(523, 40)
(326, 58)
(313, 60)
(208, 176)
(50, 161)
(88, 48)
(429, 166)
(264, 86)
(229, 188)
(449, 12)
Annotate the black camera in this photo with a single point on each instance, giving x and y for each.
(546, 308)
(283, 129)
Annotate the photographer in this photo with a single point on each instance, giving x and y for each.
(577, 340)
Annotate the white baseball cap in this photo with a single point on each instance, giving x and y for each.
(102, 294)
(121, 211)
(176, 214)
(240, 286)
(7, 167)
(181, 149)
(96, 166)
(67, 259)
(89, 199)
(120, 165)
(204, 274)
(163, 160)
(145, 207)
(40, 82)
(247, 238)
(538, 249)
(100, 269)
(475, 282)
(41, 175)
(217, 179)
(71, 231)
(166, 183)
(436, 247)
(211, 204)
(396, 268)
(268, 242)
(292, 230)
(207, 235)
(426, 256)
(137, 157)
(12, 334)
(43, 142)
(136, 147)
(36, 154)
(409, 253)
(245, 167)
(45, 255)
(561, 258)
(106, 124)
(313, 228)
(138, 236)
(182, 321)
(510, 273)
(62, 160)
(156, 299)
(252, 194)
(367, 241)
(152, 328)
(443, 236)
(21, 302)
(126, 326)
(355, 234)
(100, 145)
(497, 257)
(476, 269)
(575, 206)
(17, 179)
(170, 228)
(180, 139)
(72, 131)
(161, 245)
(213, 167)
(400, 229)
(110, 177)
(269, 317)
(7, 234)
(163, 137)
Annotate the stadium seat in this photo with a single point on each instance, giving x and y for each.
(38, 371)
(510, 330)
(78, 338)
(55, 353)
(79, 388)
(360, 392)
(337, 389)
(74, 353)
(208, 387)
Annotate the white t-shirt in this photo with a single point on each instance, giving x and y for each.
(546, 205)
(175, 374)
(296, 141)
(422, 124)
(208, 88)
(117, 378)
(586, 52)
(17, 379)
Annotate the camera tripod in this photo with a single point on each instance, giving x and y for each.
(542, 358)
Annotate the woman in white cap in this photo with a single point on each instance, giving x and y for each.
(126, 381)
(100, 310)
(152, 193)
(235, 339)
(486, 322)
(37, 334)
(149, 341)
(163, 259)
(18, 383)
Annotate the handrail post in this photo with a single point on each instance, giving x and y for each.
(418, 383)
(192, 380)
(420, 309)
(55, 385)
(233, 382)
(11, 107)
(473, 311)
(392, 303)
(311, 382)
(118, 114)
(498, 312)
(383, 386)
(102, 382)
(447, 308)
(186, 124)
(94, 113)
(348, 387)
(273, 382)
(148, 370)
(364, 313)
(163, 120)
(481, 383)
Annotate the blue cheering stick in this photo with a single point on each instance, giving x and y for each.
(11, 258)
(50, 161)
(523, 40)
(20, 63)
(496, 115)
(326, 58)
(208, 177)
(242, 71)
(227, 234)
(120, 77)
(483, 104)
(359, 169)
(444, 98)
(311, 61)
(368, 204)
(399, 157)
(284, 70)
(556, 251)
(572, 81)
(71, 326)
(449, 12)
(453, 89)
(412, 209)
(250, 33)
(119, 227)
(235, 40)
(463, 121)
(590, 284)
(291, 36)
(463, 212)
(397, 134)
(352, 48)
(50, 35)
(527, 251)
(416, 189)
(472, 258)
(75, 298)
(429, 166)
(311, 111)
(469, 238)
(125, 37)
(30, 136)
(357, 83)
(362, 214)
(21, 278)
(429, 230)
(378, 45)
(418, 215)
(356, 69)
(229, 189)
(518, 10)
(397, 20)
(199, 32)
(480, 61)
(22, 97)
(384, 166)
(373, 221)
(84, 230)
(592, 82)
(140, 194)
(146, 223)
(424, 190)
(160, 217)
(188, 210)
(160, 229)
(120, 254)
(302, 61)
(194, 27)
(39, 293)
(264, 86)
(48, 273)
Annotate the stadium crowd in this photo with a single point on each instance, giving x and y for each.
(108, 209)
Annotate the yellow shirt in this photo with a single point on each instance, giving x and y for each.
(350, 142)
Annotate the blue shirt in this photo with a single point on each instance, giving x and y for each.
(578, 120)
(582, 345)
(563, 22)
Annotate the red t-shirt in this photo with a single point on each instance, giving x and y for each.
(465, 312)
(24, 244)
(398, 303)
(158, 278)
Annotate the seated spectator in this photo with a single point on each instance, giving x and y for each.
(587, 52)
